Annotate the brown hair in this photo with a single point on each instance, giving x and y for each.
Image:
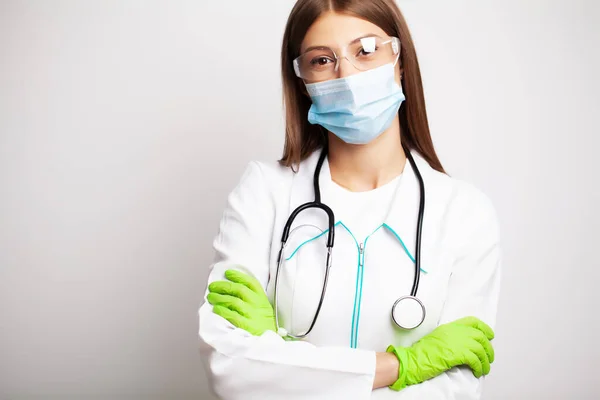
(301, 137)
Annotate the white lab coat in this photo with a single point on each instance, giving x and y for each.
(460, 254)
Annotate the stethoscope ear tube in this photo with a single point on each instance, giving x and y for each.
(317, 175)
(305, 206)
(415, 286)
(284, 238)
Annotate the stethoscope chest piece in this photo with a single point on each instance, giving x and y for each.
(408, 312)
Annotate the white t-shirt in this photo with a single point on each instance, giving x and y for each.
(363, 212)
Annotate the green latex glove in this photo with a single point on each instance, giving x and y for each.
(242, 301)
(462, 342)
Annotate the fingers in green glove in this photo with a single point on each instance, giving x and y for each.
(230, 302)
(482, 333)
(474, 347)
(242, 301)
(244, 279)
(484, 342)
(476, 323)
(232, 289)
(233, 317)
(474, 362)
(476, 343)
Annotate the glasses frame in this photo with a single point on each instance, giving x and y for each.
(396, 48)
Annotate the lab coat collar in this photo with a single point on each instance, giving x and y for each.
(403, 214)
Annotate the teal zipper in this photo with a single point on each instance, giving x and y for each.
(358, 295)
(359, 284)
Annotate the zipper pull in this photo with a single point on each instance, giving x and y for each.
(362, 254)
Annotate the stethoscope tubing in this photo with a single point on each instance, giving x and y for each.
(331, 237)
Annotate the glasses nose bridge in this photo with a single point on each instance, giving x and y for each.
(338, 60)
(347, 70)
(340, 55)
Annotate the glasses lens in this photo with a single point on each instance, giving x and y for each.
(372, 52)
(316, 64)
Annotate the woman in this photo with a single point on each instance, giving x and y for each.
(355, 119)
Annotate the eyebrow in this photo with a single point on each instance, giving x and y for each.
(321, 47)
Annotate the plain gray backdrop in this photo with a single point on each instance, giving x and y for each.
(125, 124)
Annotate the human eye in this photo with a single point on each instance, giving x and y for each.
(366, 47)
(362, 52)
(320, 61)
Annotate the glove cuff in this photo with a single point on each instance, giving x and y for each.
(402, 356)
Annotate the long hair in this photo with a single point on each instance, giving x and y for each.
(303, 138)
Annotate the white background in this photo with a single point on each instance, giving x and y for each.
(124, 124)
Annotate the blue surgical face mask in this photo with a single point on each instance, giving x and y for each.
(357, 108)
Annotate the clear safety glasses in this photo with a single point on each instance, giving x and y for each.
(319, 64)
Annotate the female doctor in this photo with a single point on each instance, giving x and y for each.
(353, 268)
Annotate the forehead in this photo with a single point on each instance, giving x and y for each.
(334, 30)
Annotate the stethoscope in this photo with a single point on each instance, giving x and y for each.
(408, 312)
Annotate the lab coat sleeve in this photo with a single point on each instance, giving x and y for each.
(242, 366)
(473, 290)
